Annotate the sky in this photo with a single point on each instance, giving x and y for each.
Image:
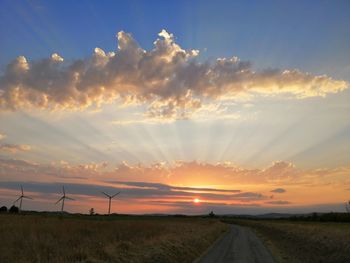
(182, 106)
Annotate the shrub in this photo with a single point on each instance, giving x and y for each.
(3, 209)
(14, 210)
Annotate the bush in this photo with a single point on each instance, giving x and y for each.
(3, 209)
(14, 210)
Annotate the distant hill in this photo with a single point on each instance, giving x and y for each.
(267, 215)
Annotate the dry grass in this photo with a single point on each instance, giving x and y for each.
(28, 238)
(295, 242)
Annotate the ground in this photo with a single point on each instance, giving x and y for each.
(77, 238)
(304, 242)
(38, 238)
(238, 245)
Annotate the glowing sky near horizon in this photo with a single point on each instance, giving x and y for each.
(184, 107)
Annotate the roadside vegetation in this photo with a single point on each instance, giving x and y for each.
(52, 238)
(307, 241)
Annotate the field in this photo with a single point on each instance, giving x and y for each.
(304, 242)
(38, 238)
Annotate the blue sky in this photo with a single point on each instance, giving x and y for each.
(247, 95)
(290, 34)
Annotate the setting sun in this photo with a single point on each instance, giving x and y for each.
(196, 200)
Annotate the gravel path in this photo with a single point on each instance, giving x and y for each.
(238, 245)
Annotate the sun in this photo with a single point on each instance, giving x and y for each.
(196, 200)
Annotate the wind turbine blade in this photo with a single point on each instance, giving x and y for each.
(27, 197)
(69, 198)
(59, 200)
(22, 189)
(64, 191)
(17, 199)
(106, 194)
(115, 194)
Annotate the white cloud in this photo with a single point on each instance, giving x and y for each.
(167, 78)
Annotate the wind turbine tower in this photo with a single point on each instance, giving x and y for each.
(110, 197)
(63, 198)
(20, 198)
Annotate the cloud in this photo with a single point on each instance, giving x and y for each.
(217, 185)
(180, 173)
(15, 169)
(175, 188)
(280, 169)
(278, 202)
(142, 121)
(160, 192)
(14, 148)
(250, 196)
(207, 112)
(278, 190)
(228, 174)
(170, 80)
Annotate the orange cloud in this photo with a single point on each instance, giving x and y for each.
(184, 173)
(173, 187)
(13, 148)
(278, 190)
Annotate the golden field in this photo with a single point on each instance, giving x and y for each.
(38, 238)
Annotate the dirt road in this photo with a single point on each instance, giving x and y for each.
(238, 245)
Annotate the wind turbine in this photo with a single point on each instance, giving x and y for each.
(21, 198)
(63, 198)
(110, 197)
